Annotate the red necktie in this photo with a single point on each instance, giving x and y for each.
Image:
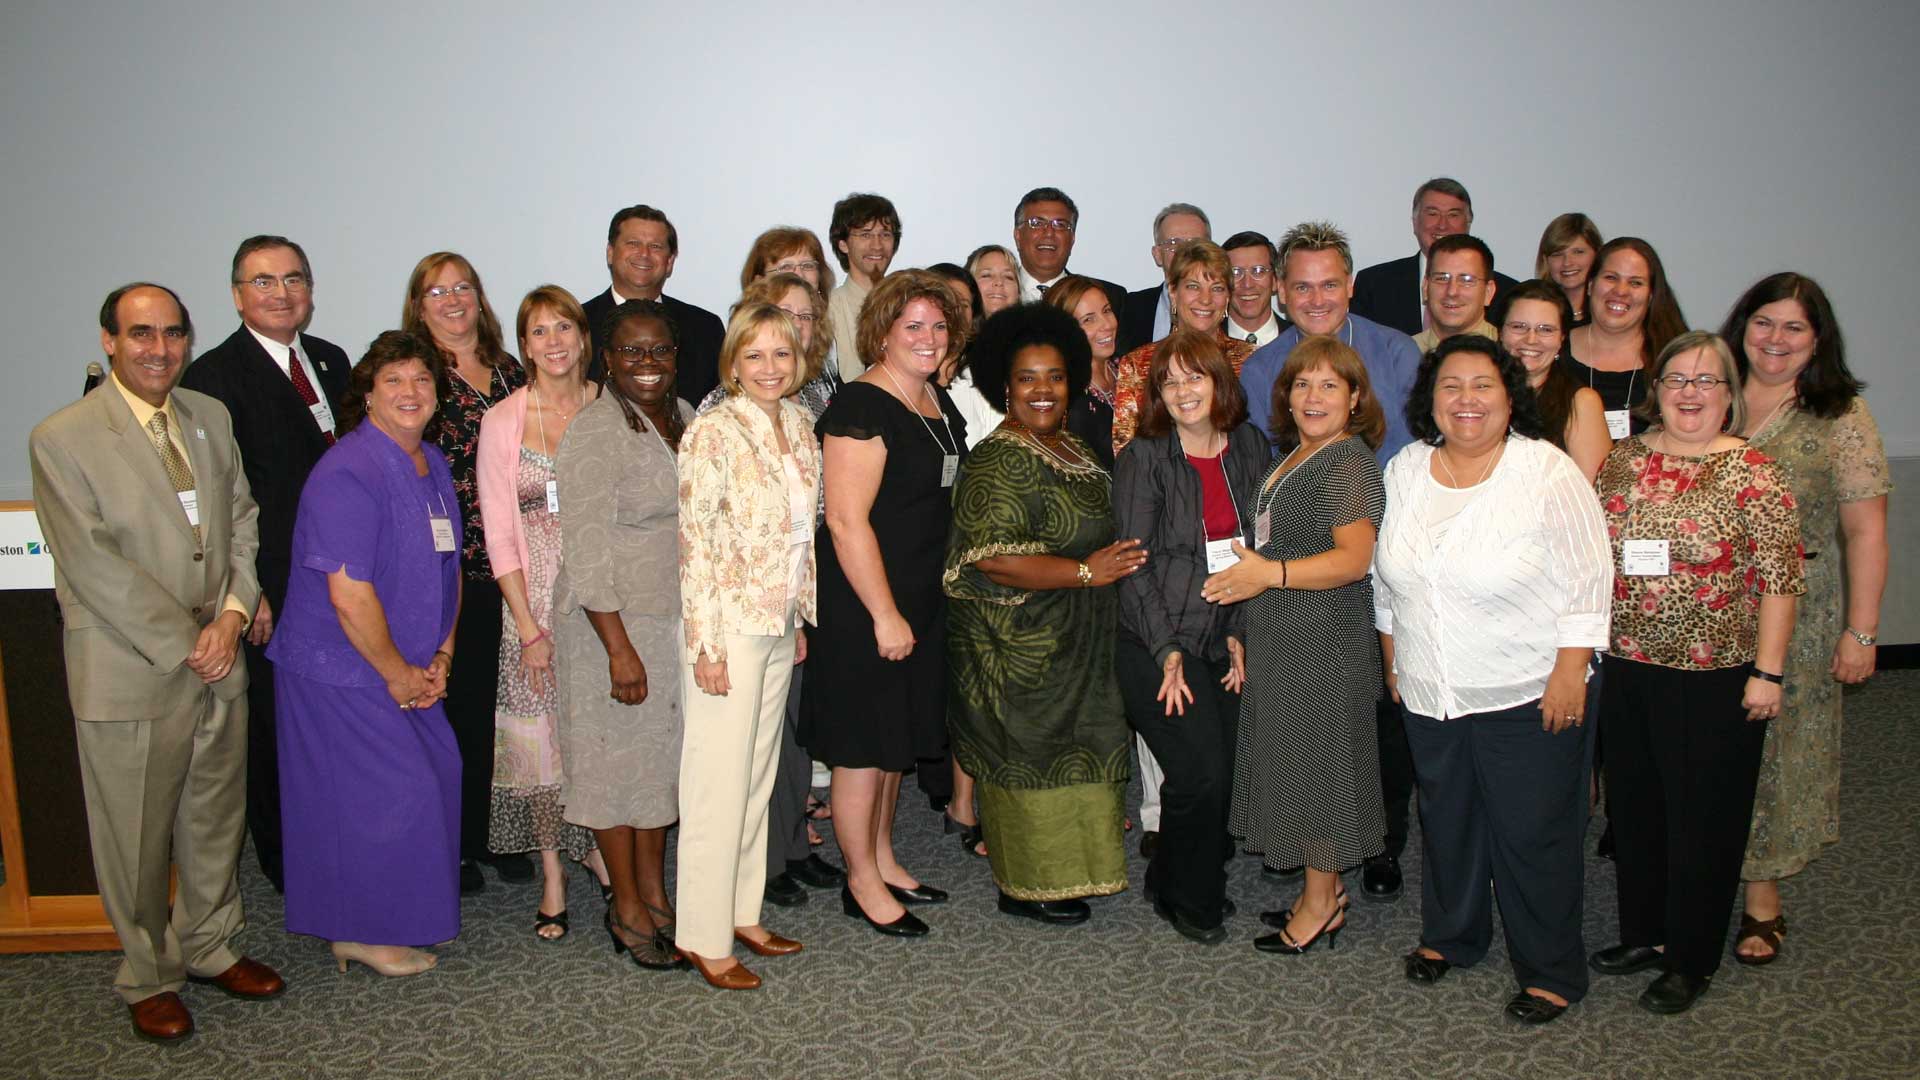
(304, 387)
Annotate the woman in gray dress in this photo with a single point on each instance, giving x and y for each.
(617, 623)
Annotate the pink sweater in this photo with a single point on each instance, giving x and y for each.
(496, 462)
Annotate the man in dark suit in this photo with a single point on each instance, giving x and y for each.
(1250, 315)
(1389, 293)
(283, 389)
(1044, 224)
(1149, 318)
(141, 496)
(641, 247)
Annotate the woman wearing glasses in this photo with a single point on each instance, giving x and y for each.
(1533, 326)
(1200, 283)
(447, 305)
(1706, 543)
(786, 249)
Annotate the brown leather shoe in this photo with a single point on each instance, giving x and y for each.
(246, 979)
(162, 1018)
(775, 945)
(736, 977)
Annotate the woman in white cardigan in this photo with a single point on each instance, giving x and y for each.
(749, 483)
(1492, 585)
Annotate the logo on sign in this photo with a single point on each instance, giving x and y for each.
(34, 547)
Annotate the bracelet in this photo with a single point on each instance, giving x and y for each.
(1085, 574)
(1283, 573)
(1766, 676)
(1866, 640)
(530, 642)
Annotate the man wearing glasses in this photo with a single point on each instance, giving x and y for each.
(1457, 289)
(1250, 314)
(1043, 228)
(1148, 316)
(283, 389)
(864, 234)
(1393, 293)
(641, 248)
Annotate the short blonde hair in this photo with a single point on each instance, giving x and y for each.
(745, 325)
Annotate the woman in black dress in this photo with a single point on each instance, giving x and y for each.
(875, 703)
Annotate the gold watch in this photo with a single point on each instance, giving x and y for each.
(1086, 575)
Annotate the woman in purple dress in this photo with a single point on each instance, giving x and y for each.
(369, 772)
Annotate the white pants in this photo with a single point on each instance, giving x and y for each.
(1150, 779)
(727, 758)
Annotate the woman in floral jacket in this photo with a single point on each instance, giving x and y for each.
(1706, 542)
(749, 483)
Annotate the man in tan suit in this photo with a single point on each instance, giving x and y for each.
(141, 497)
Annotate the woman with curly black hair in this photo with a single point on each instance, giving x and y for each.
(1493, 580)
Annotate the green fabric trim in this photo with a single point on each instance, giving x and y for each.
(1055, 843)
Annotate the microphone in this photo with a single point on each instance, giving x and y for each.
(94, 376)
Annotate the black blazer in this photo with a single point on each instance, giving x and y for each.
(1136, 326)
(278, 439)
(701, 333)
(1389, 293)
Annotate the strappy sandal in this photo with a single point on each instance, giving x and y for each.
(1767, 933)
(662, 920)
(542, 920)
(818, 809)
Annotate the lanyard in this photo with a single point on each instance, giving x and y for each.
(952, 439)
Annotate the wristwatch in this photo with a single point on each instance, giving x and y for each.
(1085, 575)
(1864, 639)
(1765, 676)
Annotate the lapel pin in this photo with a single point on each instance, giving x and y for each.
(200, 433)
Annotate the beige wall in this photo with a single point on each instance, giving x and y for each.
(1900, 612)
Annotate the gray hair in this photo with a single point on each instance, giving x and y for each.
(1171, 209)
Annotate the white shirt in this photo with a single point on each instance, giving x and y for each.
(285, 356)
(1263, 336)
(1523, 570)
(980, 415)
(1030, 288)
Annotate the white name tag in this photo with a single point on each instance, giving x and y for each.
(322, 415)
(1644, 558)
(442, 532)
(949, 468)
(1262, 529)
(190, 502)
(553, 496)
(1619, 424)
(799, 532)
(1220, 555)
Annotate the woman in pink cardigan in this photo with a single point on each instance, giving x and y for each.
(520, 513)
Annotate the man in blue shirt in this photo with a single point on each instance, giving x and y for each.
(1316, 287)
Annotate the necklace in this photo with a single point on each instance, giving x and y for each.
(1281, 473)
(1440, 455)
(1075, 463)
(1773, 413)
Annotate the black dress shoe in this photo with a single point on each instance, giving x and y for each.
(1424, 969)
(471, 880)
(1380, 878)
(784, 891)
(515, 868)
(939, 803)
(1284, 872)
(815, 872)
(920, 894)
(1533, 1010)
(1626, 959)
(1149, 843)
(1205, 935)
(1673, 992)
(1051, 912)
(904, 926)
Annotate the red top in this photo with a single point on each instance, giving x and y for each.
(1216, 502)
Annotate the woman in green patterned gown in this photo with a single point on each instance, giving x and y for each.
(1805, 411)
(1033, 708)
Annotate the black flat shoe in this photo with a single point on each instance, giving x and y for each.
(1051, 912)
(1380, 878)
(922, 893)
(1673, 992)
(816, 872)
(1626, 959)
(1205, 935)
(515, 868)
(904, 926)
(1149, 843)
(1533, 1010)
(784, 891)
(1425, 970)
(471, 880)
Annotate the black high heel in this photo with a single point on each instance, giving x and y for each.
(1279, 942)
(655, 955)
(907, 925)
(1278, 918)
(971, 836)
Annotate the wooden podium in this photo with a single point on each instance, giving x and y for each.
(49, 901)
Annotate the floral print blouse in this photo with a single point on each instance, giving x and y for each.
(455, 429)
(1733, 534)
(1130, 385)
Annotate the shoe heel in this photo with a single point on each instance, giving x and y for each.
(849, 905)
(1333, 938)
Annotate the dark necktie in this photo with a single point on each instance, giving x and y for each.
(1043, 289)
(1253, 339)
(304, 386)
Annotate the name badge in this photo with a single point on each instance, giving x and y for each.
(1644, 558)
(322, 415)
(1619, 424)
(1262, 529)
(799, 532)
(949, 468)
(1220, 555)
(442, 532)
(553, 496)
(190, 502)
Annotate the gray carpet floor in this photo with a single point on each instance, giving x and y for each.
(990, 996)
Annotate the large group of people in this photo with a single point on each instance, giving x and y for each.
(1310, 545)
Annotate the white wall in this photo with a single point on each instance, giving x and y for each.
(144, 140)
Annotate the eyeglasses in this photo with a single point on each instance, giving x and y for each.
(440, 292)
(1703, 383)
(1171, 243)
(1443, 279)
(801, 317)
(808, 267)
(1058, 224)
(1191, 378)
(264, 283)
(872, 234)
(1258, 272)
(662, 352)
(1522, 329)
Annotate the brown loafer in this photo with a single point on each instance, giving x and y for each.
(775, 945)
(736, 977)
(246, 979)
(162, 1018)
